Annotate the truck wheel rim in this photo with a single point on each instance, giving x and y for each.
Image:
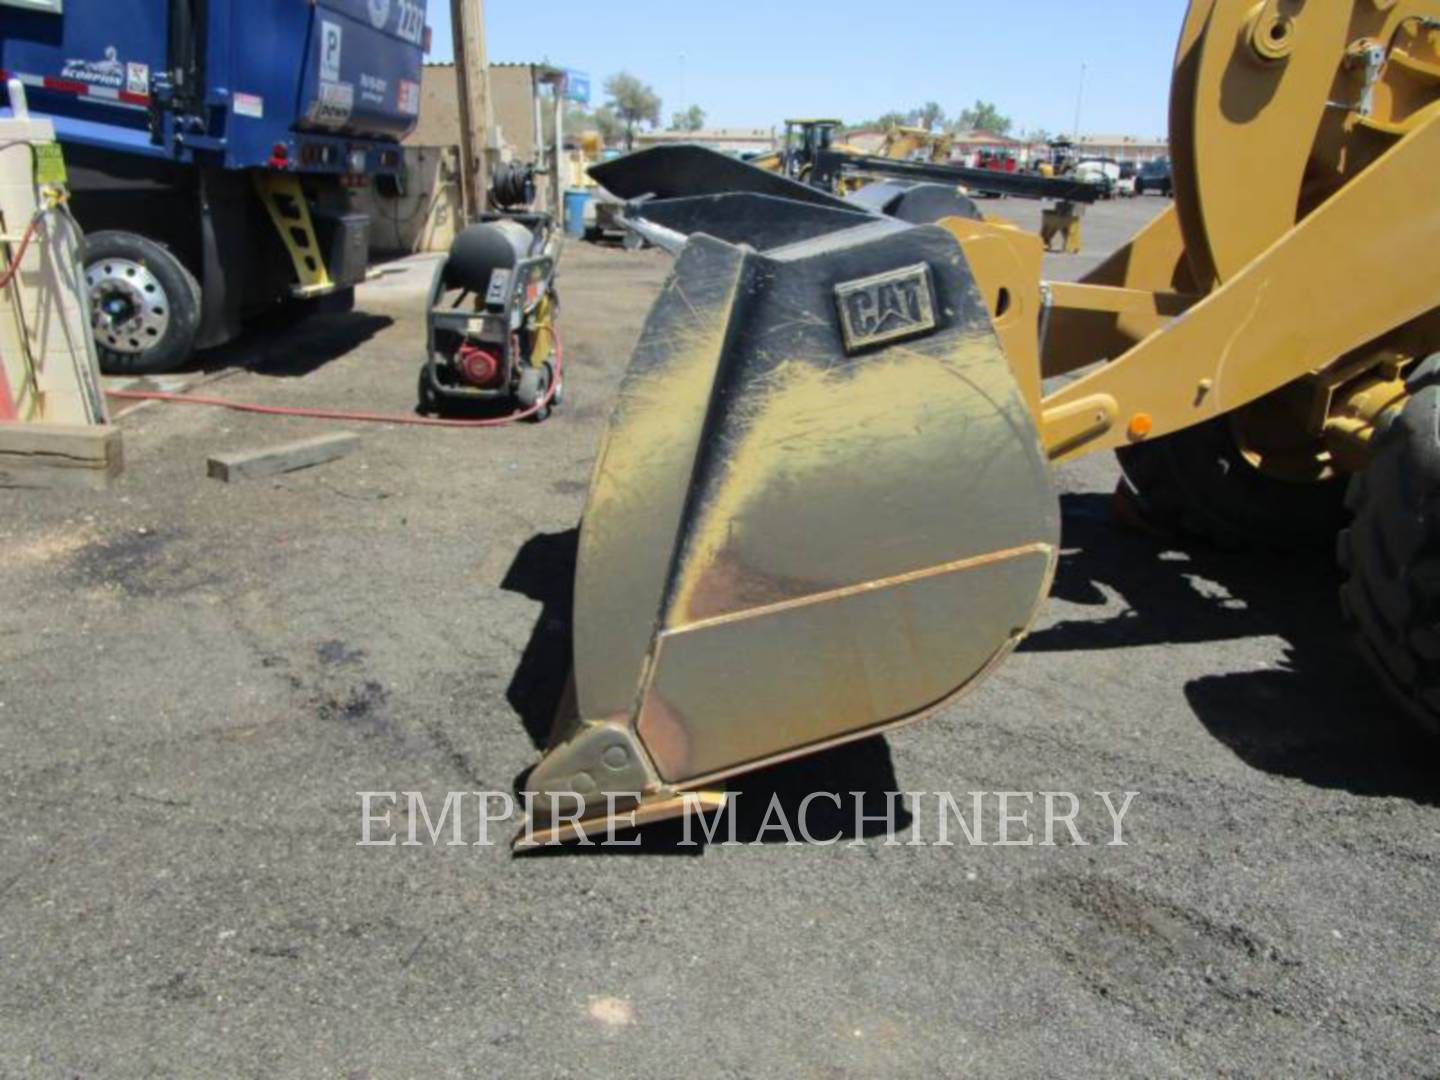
(129, 308)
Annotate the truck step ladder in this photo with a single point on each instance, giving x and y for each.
(285, 202)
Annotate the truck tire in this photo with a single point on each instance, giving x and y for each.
(1391, 553)
(1198, 482)
(144, 304)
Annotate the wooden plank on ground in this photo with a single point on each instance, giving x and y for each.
(70, 456)
(273, 460)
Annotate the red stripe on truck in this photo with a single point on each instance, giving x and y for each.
(67, 86)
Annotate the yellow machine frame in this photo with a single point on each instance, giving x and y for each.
(1267, 301)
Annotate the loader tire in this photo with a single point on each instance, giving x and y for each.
(1198, 482)
(1391, 553)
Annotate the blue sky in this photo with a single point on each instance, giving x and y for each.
(755, 62)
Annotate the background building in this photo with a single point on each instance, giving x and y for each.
(1122, 147)
(726, 140)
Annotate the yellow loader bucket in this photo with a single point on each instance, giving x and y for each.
(821, 509)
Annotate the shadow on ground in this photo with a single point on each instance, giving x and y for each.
(284, 345)
(1320, 717)
(544, 571)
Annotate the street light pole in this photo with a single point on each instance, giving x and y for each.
(1080, 101)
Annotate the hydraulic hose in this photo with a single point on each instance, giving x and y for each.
(8, 409)
(513, 184)
(352, 416)
(8, 275)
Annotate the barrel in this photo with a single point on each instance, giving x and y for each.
(576, 200)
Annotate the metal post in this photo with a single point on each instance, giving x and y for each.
(542, 157)
(557, 85)
(472, 73)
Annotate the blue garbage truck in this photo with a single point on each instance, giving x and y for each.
(214, 150)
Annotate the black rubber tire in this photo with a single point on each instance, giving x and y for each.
(533, 386)
(1197, 482)
(1391, 553)
(561, 391)
(174, 347)
(427, 397)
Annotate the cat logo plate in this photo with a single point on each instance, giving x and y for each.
(887, 307)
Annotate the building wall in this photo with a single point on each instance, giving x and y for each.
(512, 103)
(512, 99)
(427, 216)
(439, 108)
(729, 140)
(1122, 147)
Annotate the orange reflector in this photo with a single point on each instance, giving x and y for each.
(1141, 424)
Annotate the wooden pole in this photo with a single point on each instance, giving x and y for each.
(472, 73)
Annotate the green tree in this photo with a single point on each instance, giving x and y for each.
(578, 119)
(929, 116)
(984, 116)
(633, 102)
(608, 124)
(692, 119)
(892, 119)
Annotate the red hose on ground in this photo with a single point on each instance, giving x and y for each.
(355, 417)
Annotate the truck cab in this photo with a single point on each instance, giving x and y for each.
(213, 147)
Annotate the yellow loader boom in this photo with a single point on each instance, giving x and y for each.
(823, 506)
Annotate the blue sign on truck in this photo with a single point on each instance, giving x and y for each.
(214, 146)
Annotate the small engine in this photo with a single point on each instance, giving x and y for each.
(490, 324)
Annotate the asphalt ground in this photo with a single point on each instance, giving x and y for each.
(196, 679)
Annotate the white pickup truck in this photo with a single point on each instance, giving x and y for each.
(1104, 174)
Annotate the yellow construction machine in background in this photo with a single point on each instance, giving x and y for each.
(916, 144)
(824, 505)
(806, 140)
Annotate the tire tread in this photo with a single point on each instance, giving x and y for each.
(1391, 554)
(1197, 483)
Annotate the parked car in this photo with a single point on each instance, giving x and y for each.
(1125, 186)
(1155, 176)
(1101, 172)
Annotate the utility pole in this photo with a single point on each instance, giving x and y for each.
(472, 73)
(1080, 101)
